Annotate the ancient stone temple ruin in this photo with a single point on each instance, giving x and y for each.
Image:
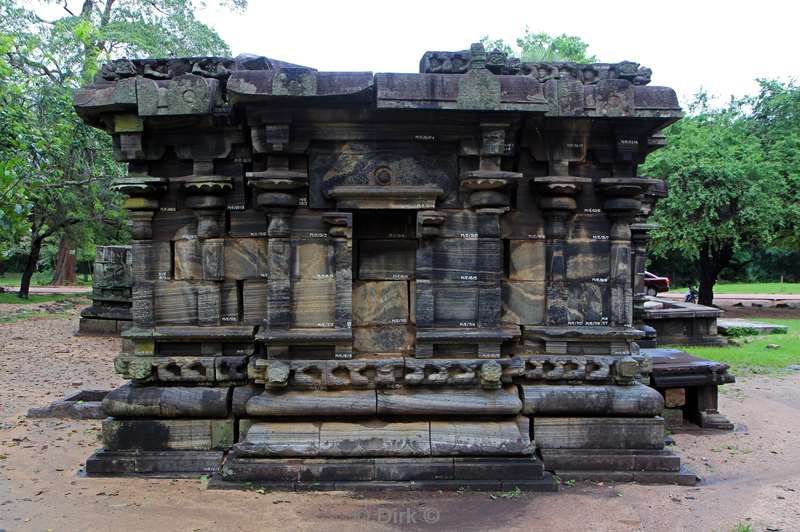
(110, 312)
(348, 279)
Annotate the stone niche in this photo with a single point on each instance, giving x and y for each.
(346, 279)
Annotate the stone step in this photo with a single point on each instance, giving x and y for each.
(684, 477)
(168, 464)
(610, 460)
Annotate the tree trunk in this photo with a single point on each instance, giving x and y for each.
(712, 261)
(30, 266)
(65, 270)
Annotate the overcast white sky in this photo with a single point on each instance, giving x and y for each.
(720, 45)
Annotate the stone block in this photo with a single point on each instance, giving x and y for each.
(380, 303)
(598, 432)
(674, 397)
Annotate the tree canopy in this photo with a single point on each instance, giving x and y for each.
(55, 171)
(732, 180)
(540, 46)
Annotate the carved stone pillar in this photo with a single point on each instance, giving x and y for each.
(205, 199)
(621, 203)
(278, 188)
(557, 201)
(489, 186)
(142, 202)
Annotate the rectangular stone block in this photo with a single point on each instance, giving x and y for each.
(403, 469)
(248, 223)
(386, 260)
(455, 303)
(298, 470)
(526, 260)
(169, 226)
(280, 439)
(470, 259)
(245, 258)
(313, 303)
(163, 435)
(523, 302)
(175, 303)
(588, 261)
(213, 251)
(476, 438)
(590, 227)
(375, 438)
(347, 403)
(229, 301)
(380, 303)
(188, 260)
(610, 460)
(313, 259)
(556, 399)
(588, 303)
(161, 257)
(383, 339)
(209, 304)
(674, 397)
(673, 417)
(498, 468)
(449, 402)
(525, 223)
(336, 439)
(598, 433)
(254, 301)
(167, 402)
(178, 463)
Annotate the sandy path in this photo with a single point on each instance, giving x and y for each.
(752, 475)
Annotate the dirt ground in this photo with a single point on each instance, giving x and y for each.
(775, 313)
(751, 475)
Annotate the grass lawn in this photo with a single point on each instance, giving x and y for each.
(10, 298)
(39, 279)
(751, 288)
(754, 357)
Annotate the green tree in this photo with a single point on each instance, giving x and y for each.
(775, 120)
(54, 170)
(723, 190)
(537, 47)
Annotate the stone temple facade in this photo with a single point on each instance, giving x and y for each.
(348, 279)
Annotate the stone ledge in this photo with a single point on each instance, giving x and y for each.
(684, 477)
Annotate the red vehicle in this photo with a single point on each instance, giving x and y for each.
(654, 284)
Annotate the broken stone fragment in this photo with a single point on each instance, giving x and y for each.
(490, 375)
(278, 375)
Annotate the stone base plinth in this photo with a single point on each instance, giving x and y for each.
(169, 464)
(646, 466)
(328, 474)
(490, 473)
